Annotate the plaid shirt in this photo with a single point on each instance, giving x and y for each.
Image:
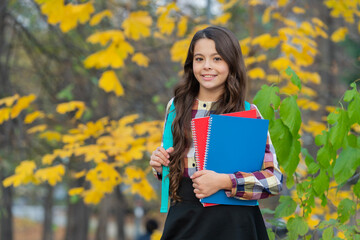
(248, 186)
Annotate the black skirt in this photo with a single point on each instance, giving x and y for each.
(189, 220)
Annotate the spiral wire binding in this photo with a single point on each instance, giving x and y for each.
(195, 144)
(207, 142)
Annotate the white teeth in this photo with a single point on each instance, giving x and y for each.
(208, 75)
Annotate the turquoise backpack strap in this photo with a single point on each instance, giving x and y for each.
(247, 106)
(167, 142)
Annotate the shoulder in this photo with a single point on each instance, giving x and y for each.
(258, 114)
(169, 104)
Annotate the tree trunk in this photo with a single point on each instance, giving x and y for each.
(77, 221)
(120, 206)
(102, 218)
(48, 214)
(6, 217)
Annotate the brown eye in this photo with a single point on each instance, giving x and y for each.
(217, 59)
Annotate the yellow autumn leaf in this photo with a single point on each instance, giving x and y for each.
(53, 9)
(9, 101)
(79, 106)
(51, 136)
(182, 26)
(140, 59)
(110, 83)
(290, 89)
(225, 6)
(144, 189)
(113, 56)
(96, 19)
(166, 24)
(280, 64)
(307, 104)
(48, 159)
(359, 27)
(124, 121)
(4, 114)
(222, 19)
(273, 78)
(266, 41)
(92, 196)
(24, 174)
(244, 44)
(356, 127)
(31, 117)
(76, 191)
(133, 173)
(21, 104)
(156, 235)
(267, 15)
(137, 25)
(319, 23)
(179, 50)
(298, 10)
(256, 73)
(38, 128)
(314, 127)
(52, 175)
(75, 13)
(282, 3)
(116, 36)
(255, 2)
(79, 174)
(94, 154)
(307, 28)
(339, 35)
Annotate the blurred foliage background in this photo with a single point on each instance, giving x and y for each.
(83, 89)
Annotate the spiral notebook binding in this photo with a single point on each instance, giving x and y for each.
(195, 144)
(207, 142)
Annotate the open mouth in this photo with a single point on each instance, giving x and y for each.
(208, 76)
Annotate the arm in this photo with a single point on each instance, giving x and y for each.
(260, 184)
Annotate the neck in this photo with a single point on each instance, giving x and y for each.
(209, 96)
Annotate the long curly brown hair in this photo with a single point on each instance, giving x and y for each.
(232, 99)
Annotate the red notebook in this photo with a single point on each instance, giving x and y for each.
(199, 127)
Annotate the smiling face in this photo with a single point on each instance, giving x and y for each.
(210, 70)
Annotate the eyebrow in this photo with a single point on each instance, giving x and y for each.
(213, 54)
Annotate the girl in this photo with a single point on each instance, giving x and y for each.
(214, 82)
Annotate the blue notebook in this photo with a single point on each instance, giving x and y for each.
(234, 144)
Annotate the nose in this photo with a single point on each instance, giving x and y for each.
(207, 64)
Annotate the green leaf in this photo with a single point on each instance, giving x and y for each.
(281, 139)
(356, 189)
(267, 211)
(287, 147)
(66, 93)
(346, 164)
(321, 183)
(346, 209)
(297, 226)
(353, 109)
(328, 234)
(333, 116)
(321, 139)
(350, 94)
(294, 77)
(266, 97)
(290, 114)
(339, 130)
(313, 168)
(286, 207)
(271, 234)
(324, 156)
(330, 222)
(350, 141)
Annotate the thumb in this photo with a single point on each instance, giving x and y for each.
(198, 174)
(170, 149)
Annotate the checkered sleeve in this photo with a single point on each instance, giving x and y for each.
(261, 184)
(156, 174)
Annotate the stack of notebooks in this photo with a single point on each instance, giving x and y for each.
(229, 143)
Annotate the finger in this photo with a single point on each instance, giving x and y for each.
(164, 153)
(198, 174)
(170, 149)
(155, 164)
(161, 160)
